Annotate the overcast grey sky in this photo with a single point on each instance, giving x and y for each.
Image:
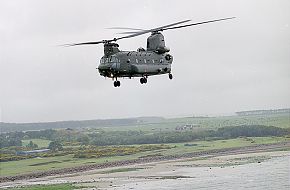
(221, 67)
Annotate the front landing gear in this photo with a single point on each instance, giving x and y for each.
(170, 76)
(143, 80)
(117, 83)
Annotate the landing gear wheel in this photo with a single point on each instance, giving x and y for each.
(117, 83)
(170, 76)
(143, 80)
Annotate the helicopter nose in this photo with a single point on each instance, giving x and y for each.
(104, 69)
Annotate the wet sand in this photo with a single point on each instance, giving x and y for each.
(203, 172)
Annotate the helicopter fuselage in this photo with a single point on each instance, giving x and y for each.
(135, 64)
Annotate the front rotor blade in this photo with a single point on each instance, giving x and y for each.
(176, 27)
(127, 32)
(152, 30)
(85, 43)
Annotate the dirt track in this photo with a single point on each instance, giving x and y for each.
(218, 152)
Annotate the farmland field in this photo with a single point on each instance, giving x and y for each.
(281, 120)
(42, 143)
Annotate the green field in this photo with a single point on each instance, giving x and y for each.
(219, 144)
(42, 143)
(49, 163)
(281, 120)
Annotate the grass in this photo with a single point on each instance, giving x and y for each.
(65, 186)
(49, 163)
(219, 144)
(58, 162)
(42, 143)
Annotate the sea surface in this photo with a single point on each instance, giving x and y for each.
(271, 174)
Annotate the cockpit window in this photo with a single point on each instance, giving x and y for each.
(111, 59)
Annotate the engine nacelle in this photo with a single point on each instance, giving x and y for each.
(161, 50)
(156, 43)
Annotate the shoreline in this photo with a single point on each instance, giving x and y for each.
(209, 153)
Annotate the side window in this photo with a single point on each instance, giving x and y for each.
(161, 60)
(144, 60)
(136, 60)
(153, 61)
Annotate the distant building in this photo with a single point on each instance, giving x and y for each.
(32, 152)
(186, 127)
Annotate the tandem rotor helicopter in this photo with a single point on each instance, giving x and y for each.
(155, 60)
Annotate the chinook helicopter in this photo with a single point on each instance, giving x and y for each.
(155, 60)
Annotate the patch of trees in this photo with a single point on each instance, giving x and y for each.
(251, 131)
(103, 138)
(127, 138)
(31, 145)
(13, 139)
(55, 146)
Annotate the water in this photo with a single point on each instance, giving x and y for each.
(271, 174)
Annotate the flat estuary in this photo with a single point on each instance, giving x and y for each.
(273, 173)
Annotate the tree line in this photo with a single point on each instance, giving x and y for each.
(102, 138)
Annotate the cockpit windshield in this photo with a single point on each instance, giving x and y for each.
(111, 59)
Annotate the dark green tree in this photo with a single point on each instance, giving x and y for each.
(55, 145)
(31, 145)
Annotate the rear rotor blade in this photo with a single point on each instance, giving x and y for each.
(176, 27)
(124, 28)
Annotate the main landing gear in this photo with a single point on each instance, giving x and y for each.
(143, 80)
(170, 76)
(117, 83)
